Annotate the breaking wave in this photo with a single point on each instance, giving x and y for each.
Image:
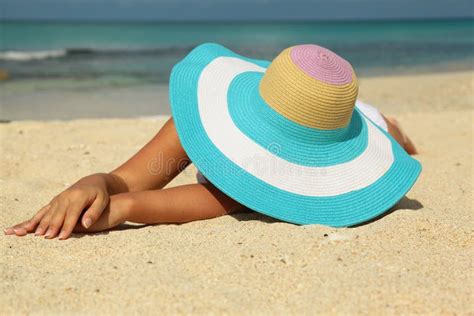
(34, 55)
(20, 56)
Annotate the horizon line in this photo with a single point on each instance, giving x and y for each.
(234, 21)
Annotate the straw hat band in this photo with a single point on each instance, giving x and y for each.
(304, 94)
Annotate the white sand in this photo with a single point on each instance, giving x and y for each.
(416, 259)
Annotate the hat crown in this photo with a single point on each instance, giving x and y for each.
(312, 86)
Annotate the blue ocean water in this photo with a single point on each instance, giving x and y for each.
(142, 53)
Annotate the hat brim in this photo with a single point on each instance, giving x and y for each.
(272, 165)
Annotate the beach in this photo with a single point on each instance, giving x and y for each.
(416, 259)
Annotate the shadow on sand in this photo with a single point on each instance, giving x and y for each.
(404, 204)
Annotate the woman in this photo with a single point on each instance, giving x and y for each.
(324, 161)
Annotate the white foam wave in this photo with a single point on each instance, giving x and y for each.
(33, 55)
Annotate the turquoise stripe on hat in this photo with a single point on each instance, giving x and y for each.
(342, 210)
(256, 119)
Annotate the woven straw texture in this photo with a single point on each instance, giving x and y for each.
(308, 100)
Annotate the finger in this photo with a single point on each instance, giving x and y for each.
(44, 222)
(31, 224)
(57, 218)
(103, 223)
(72, 216)
(95, 210)
(11, 230)
(20, 231)
(34, 221)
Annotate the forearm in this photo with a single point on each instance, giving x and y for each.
(178, 205)
(175, 205)
(156, 164)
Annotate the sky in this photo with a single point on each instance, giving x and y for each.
(232, 10)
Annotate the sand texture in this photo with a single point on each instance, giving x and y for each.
(416, 259)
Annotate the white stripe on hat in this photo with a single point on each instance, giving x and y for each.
(361, 172)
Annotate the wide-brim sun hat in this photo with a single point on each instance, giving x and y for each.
(284, 138)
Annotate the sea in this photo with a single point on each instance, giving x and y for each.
(93, 57)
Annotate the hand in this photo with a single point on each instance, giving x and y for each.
(115, 213)
(63, 212)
